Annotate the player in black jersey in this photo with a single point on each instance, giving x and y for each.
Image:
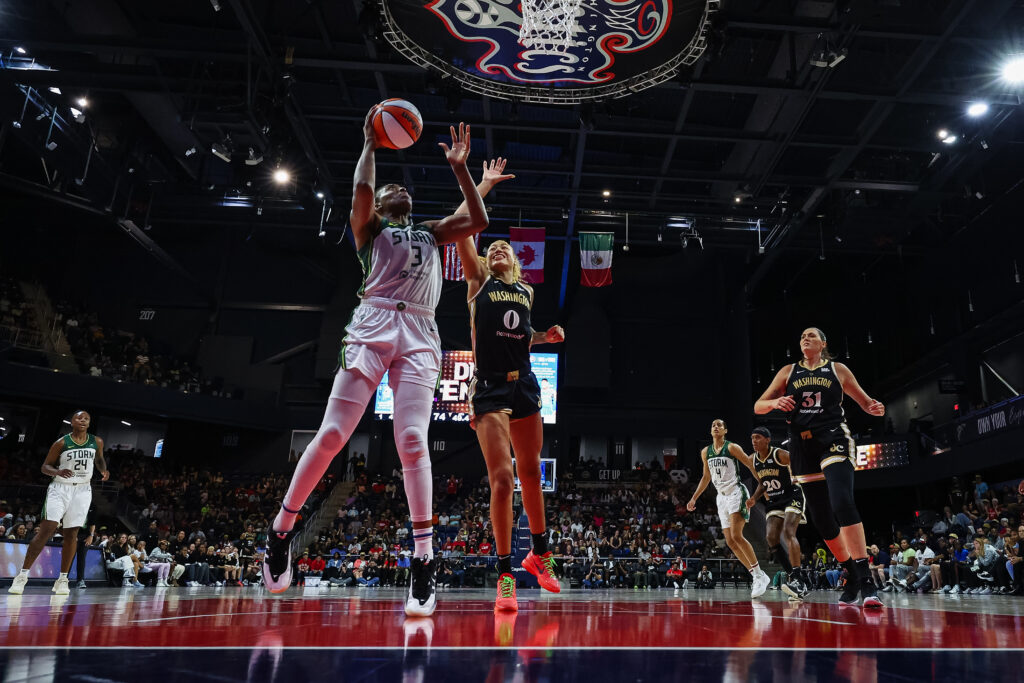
(822, 452)
(505, 397)
(784, 505)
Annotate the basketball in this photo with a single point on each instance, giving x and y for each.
(397, 123)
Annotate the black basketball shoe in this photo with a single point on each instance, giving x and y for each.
(421, 601)
(277, 563)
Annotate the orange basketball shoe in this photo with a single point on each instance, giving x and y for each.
(506, 600)
(543, 566)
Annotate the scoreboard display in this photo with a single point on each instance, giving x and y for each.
(873, 456)
(451, 401)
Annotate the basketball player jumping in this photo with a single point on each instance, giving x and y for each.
(393, 329)
(822, 451)
(70, 462)
(722, 460)
(505, 397)
(784, 501)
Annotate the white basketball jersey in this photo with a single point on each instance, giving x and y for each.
(402, 264)
(78, 458)
(724, 468)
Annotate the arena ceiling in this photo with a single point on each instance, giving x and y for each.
(806, 126)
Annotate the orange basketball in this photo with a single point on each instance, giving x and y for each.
(397, 123)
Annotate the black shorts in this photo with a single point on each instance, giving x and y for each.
(518, 398)
(812, 450)
(792, 501)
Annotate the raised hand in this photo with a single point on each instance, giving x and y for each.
(458, 153)
(368, 132)
(494, 171)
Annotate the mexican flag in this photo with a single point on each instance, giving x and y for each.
(596, 258)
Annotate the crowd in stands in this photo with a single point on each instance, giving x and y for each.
(200, 527)
(103, 351)
(14, 311)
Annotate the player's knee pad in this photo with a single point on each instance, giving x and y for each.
(839, 478)
(331, 439)
(411, 443)
(820, 510)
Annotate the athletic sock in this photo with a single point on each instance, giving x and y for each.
(863, 571)
(851, 568)
(540, 543)
(285, 520)
(504, 564)
(755, 569)
(24, 572)
(782, 556)
(63, 575)
(424, 542)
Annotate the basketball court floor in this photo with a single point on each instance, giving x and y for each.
(356, 634)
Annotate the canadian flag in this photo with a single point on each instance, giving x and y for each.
(528, 244)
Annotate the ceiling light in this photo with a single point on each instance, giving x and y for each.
(55, 90)
(51, 145)
(126, 423)
(1013, 70)
(977, 109)
(190, 151)
(222, 150)
(82, 102)
(319, 195)
(67, 422)
(281, 176)
(949, 140)
(606, 193)
(255, 158)
(20, 50)
(943, 133)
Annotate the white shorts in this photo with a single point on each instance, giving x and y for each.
(67, 504)
(396, 337)
(734, 501)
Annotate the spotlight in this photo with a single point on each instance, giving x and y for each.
(82, 102)
(190, 151)
(20, 50)
(222, 150)
(255, 158)
(737, 199)
(943, 133)
(606, 193)
(949, 140)
(55, 90)
(281, 176)
(977, 109)
(319, 195)
(1013, 70)
(625, 247)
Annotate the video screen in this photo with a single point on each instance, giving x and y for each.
(451, 402)
(547, 475)
(873, 456)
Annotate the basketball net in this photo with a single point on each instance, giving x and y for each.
(548, 25)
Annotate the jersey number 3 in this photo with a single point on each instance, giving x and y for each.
(419, 256)
(811, 400)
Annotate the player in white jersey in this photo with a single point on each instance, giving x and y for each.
(393, 330)
(70, 463)
(722, 460)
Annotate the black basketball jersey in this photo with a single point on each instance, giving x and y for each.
(776, 477)
(818, 396)
(500, 316)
